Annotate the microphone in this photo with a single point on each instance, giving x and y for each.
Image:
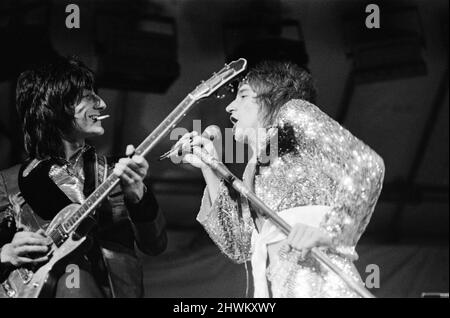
(211, 132)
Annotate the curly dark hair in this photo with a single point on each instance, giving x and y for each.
(46, 99)
(276, 83)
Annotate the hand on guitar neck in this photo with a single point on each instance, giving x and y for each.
(132, 171)
(26, 248)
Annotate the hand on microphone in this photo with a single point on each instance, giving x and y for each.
(193, 140)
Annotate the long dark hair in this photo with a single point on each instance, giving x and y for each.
(276, 83)
(46, 99)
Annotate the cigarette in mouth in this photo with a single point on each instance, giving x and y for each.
(101, 117)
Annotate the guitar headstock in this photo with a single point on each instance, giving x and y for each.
(220, 78)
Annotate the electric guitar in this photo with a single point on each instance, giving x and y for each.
(40, 282)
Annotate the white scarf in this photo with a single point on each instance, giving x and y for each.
(311, 215)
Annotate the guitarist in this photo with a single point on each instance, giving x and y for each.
(60, 110)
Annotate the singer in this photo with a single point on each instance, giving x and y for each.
(323, 181)
(60, 110)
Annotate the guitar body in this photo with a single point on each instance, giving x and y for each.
(41, 282)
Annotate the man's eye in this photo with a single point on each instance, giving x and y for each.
(89, 97)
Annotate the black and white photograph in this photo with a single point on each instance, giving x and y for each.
(224, 154)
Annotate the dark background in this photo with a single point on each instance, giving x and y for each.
(388, 86)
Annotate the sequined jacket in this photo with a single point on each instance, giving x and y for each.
(319, 163)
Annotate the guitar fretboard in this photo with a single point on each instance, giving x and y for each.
(73, 219)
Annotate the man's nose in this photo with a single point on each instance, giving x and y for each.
(230, 107)
(100, 104)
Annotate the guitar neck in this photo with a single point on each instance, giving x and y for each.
(205, 89)
(165, 126)
(73, 220)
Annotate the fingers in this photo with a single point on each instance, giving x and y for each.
(190, 158)
(27, 260)
(41, 232)
(137, 159)
(303, 253)
(294, 238)
(184, 146)
(24, 254)
(193, 160)
(200, 141)
(297, 239)
(205, 144)
(185, 138)
(125, 163)
(40, 259)
(188, 145)
(303, 238)
(140, 162)
(130, 176)
(25, 249)
(29, 241)
(24, 234)
(29, 238)
(23, 260)
(135, 168)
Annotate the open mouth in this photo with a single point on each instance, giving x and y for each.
(233, 120)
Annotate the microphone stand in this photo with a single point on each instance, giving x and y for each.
(264, 210)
